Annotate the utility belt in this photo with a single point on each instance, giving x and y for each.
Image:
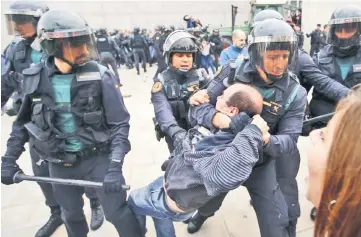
(68, 158)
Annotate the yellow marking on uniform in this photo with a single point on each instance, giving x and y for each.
(267, 103)
(218, 71)
(157, 87)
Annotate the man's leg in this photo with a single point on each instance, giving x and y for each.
(287, 169)
(206, 211)
(41, 168)
(70, 199)
(115, 207)
(150, 201)
(136, 59)
(144, 60)
(312, 51)
(268, 201)
(97, 215)
(114, 66)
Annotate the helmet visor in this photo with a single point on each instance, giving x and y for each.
(275, 55)
(76, 50)
(345, 32)
(20, 24)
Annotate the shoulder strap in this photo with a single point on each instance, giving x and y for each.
(32, 78)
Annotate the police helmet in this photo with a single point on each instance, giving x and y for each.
(266, 14)
(345, 27)
(179, 41)
(136, 29)
(273, 36)
(21, 12)
(58, 31)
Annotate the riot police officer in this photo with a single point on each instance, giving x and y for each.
(159, 39)
(138, 44)
(124, 52)
(217, 45)
(74, 118)
(107, 48)
(340, 59)
(273, 51)
(23, 18)
(173, 87)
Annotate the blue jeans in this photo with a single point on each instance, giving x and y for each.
(206, 62)
(150, 201)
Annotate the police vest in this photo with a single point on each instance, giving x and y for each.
(137, 41)
(275, 101)
(85, 106)
(103, 45)
(178, 90)
(22, 56)
(327, 64)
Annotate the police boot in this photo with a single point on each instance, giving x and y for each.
(291, 229)
(53, 223)
(196, 223)
(97, 216)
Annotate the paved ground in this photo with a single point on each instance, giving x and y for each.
(23, 209)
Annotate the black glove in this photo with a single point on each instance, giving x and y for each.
(178, 138)
(8, 170)
(238, 122)
(114, 178)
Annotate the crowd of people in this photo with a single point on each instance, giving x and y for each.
(237, 127)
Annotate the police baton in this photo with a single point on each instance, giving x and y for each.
(19, 176)
(321, 118)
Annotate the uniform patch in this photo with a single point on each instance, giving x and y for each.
(36, 99)
(157, 87)
(157, 38)
(218, 71)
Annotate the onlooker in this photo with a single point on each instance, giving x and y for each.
(238, 50)
(191, 21)
(206, 59)
(315, 40)
(334, 164)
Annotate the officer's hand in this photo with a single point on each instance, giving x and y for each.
(261, 124)
(8, 170)
(199, 97)
(240, 56)
(114, 178)
(238, 122)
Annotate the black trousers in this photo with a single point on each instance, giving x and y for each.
(107, 59)
(41, 168)
(139, 55)
(70, 198)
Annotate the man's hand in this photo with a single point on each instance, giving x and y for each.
(221, 120)
(200, 97)
(238, 122)
(240, 56)
(114, 178)
(8, 170)
(262, 125)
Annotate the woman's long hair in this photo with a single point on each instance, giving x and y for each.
(339, 213)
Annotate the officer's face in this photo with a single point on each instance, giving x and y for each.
(75, 53)
(317, 159)
(25, 29)
(345, 32)
(275, 61)
(182, 60)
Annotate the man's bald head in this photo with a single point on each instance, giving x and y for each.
(238, 38)
(240, 98)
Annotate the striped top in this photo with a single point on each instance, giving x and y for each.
(218, 163)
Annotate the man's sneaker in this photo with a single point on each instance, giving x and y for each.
(97, 216)
(196, 223)
(51, 225)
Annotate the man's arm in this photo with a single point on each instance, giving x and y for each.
(117, 117)
(114, 45)
(225, 170)
(163, 111)
(322, 83)
(289, 128)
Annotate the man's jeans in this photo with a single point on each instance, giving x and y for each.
(150, 201)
